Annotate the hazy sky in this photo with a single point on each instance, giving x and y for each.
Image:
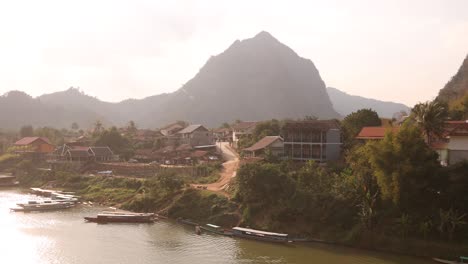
(396, 50)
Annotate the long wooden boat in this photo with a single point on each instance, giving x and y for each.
(216, 230)
(9, 184)
(8, 181)
(45, 206)
(260, 235)
(186, 221)
(118, 217)
(462, 260)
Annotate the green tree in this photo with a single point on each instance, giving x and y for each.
(430, 117)
(116, 142)
(158, 143)
(405, 168)
(263, 183)
(310, 118)
(54, 135)
(132, 128)
(354, 122)
(26, 131)
(267, 128)
(169, 181)
(364, 183)
(450, 220)
(75, 126)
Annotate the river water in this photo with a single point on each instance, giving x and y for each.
(64, 237)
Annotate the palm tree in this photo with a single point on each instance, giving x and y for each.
(132, 128)
(430, 116)
(98, 126)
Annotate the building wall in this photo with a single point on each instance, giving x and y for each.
(443, 156)
(277, 148)
(198, 138)
(458, 143)
(455, 156)
(313, 145)
(45, 148)
(333, 146)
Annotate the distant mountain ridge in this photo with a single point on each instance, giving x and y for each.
(345, 104)
(254, 79)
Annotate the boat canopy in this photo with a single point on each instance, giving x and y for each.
(259, 232)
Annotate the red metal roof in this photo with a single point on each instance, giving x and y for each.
(375, 132)
(456, 128)
(28, 140)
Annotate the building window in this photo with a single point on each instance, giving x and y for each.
(316, 151)
(297, 152)
(324, 152)
(306, 151)
(316, 137)
(288, 150)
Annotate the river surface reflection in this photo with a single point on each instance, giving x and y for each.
(64, 237)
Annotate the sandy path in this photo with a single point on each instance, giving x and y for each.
(228, 173)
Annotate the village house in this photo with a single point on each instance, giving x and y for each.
(83, 154)
(453, 146)
(222, 134)
(80, 141)
(375, 133)
(171, 129)
(34, 147)
(242, 129)
(196, 135)
(273, 144)
(147, 135)
(318, 140)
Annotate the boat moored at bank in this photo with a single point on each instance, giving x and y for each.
(122, 217)
(49, 205)
(260, 235)
(216, 230)
(461, 260)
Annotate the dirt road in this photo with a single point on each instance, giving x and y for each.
(228, 172)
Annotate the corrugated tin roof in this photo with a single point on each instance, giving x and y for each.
(263, 143)
(79, 153)
(184, 147)
(244, 125)
(101, 151)
(199, 153)
(323, 125)
(28, 140)
(191, 129)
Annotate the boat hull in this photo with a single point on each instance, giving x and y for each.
(263, 239)
(120, 219)
(446, 261)
(39, 208)
(218, 232)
